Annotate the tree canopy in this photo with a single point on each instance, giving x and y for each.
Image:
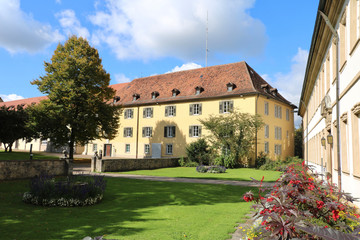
(233, 133)
(13, 125)
(79, 107)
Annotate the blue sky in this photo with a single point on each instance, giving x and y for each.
(138, 38)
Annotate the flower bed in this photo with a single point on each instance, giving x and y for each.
(210, 169)
(70, 192)
(302, 206)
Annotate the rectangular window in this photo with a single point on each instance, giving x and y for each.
(129, 113)
(127, 148)
(147, 131)
(148, 112)
(266, 131)
(277, 149)
(287, 114)
(266, 108)
(226, 106)
(195, 131)
(128, 132)
(266, 150)
(147, 148)
(343, 40)
(94, 147)
(170, 111)
(195, 109)
(169, 131)
(278, 111)
(169, 149)
(278, 133)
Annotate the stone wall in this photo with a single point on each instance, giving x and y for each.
(116, 165)
(16, 169)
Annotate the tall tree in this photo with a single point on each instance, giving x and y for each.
(79, 106)
(13, 125)
(234, 132)
(298, 141)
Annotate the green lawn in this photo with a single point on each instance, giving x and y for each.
(131, 209)
(23, 156)
(239, 174)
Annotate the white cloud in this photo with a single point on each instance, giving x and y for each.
(142, 29)
(71, 24)
(290, 84)
(185, 66)
(10, 97)
(58, 1)
(121, 78)
(19, 32)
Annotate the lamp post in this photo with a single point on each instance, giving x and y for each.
(336, 36)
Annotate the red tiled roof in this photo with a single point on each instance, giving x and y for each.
(213, 80)
(25, 101)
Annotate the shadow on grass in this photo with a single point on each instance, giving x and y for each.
(125, 201)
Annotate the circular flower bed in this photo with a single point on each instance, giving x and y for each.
(70, 192)
(210, 169)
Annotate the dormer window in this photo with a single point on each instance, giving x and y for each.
(175, 92)
(198, 90)
(273, 91)
(136, 96)
(265, 87)
(154, 95)
(230, 86)
(116, 99)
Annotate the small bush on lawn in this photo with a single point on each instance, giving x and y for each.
(210, 169)
(279, 165)
(198, 152)
(185, 162)
(73, 191)
(227, 160)
(302, 206)
(261, 160)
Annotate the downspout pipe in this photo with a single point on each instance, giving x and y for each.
(307, 133)
(338, 150)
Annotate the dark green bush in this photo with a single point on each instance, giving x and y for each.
(261, 160)
(185, 162)
(280, 165)
(227, 161)
(198, 152)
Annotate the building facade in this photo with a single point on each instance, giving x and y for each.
(318, 105)
(160, 114)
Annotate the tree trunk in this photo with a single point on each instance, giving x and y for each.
(6, 147)
(10, 147)
(71, 145)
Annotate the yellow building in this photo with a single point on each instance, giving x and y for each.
(319, 108)
(161, 113)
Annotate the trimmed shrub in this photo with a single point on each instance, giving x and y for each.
(73, 191)
(261, 160)
(227, 161)
(280, 165)
(184, 162)
(198, 152)
(301, 206)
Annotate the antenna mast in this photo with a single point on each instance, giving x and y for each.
(207, 23)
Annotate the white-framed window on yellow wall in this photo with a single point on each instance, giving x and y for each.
(147, 148)
(287, 114)
(129, 113)
(170, 111)
(278, 113)
(266, 131)
(266, 149)
(266, 108)
(226, 106)
(278, 133)
(148, 112)
(127, 148)
(195, 131)
(277, 149)
(169, 149)
(128, 131)
(195, 109)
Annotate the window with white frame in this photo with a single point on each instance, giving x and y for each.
(169, 149)
(147, 148)
(266, 131)
(170, 111)
(278, 133)
(226, 106)
(148, 112)
(129, 113)
(277, 149)
(127, 148)
(287, 114)
(169, 131)
(278, 110)
(195, 109)
(128, 132)
(195, 131)
(147, 131)
(94, 147)
(266, 150)
(266, 108)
